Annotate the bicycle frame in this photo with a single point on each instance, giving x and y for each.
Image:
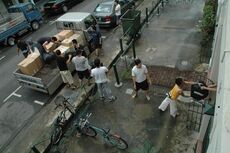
(84, 127)
(100, 131)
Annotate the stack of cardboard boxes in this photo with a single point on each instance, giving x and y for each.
(32, 64)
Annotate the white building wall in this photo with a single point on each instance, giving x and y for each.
(220, 68)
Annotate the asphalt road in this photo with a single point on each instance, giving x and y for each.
(19, 104)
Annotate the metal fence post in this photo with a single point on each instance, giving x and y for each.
(147, 15)
(134, 51)
(35, 150)
(118, 83)
(121, 45)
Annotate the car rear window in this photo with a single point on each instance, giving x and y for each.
(103, 8)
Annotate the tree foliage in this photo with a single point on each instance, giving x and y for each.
(208, 21)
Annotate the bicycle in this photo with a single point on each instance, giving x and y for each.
(84, 127)
(64, 103)
(60, 121)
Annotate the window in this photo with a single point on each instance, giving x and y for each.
(90, 20)
(103, 8)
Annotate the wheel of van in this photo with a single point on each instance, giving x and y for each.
(64, 8)
(35, 25)
(10, 41)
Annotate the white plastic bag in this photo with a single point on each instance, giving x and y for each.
(165, 104)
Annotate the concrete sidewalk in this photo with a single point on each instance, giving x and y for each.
(138, 121)
(171, 39)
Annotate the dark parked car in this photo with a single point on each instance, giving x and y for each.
(105, 11)
(59, 6)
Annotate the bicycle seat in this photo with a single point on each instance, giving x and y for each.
(106, 130)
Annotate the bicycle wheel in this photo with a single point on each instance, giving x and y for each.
(88, 131)
(56, 135)
(117, 141)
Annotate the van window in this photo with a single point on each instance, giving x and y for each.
(68, 26)
(90, 20)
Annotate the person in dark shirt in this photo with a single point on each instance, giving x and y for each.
(64, 71)
(23, 47)
(96, 39)
(78, 47)
(43, 41)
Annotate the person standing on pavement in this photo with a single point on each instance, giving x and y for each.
(82, 67)
(99, 73)
(23, 47)
(141, 79)
(96, 39)
(172, 96)
(117, 11)
(64, 71)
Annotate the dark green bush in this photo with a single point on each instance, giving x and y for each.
(208, 21)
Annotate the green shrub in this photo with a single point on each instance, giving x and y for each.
(208, 21)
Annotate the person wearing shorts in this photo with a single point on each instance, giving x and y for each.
(141, 79)
(82, 66)
(64, 71)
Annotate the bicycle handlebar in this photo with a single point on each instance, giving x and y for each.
(85, 120)
(66, 99)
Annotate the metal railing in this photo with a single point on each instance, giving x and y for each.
(205, 143)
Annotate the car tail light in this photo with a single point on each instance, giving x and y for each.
(108, 18)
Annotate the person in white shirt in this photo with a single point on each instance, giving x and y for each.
(141, 79)
(100, 75)
(117, 11)
(82, 66)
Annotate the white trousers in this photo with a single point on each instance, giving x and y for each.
(173, 106)
(67, 77)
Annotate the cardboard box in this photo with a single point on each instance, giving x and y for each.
(30, 65)
(65, 34)
(37, 59)
(58, 37)
(63, 49)
(68, 42)
(51, 46)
